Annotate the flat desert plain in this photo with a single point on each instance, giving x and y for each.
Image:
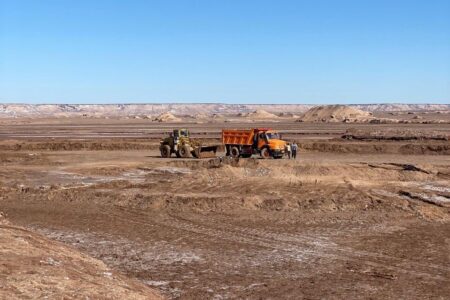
(364, 216)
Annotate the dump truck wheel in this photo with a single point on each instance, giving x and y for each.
(234, 152)
(165, 151)
(185, 152)
(265, 153)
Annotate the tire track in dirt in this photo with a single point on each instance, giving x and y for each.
(169, 221)
(328, 249)
(296, 247)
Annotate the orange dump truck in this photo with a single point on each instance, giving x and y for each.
(245, 142)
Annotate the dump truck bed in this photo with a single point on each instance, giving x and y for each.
(237, 136)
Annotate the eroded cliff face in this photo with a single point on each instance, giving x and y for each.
(126, 110)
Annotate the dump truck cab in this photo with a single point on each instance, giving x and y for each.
(272, 140)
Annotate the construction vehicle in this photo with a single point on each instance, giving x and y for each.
(180, 143)
(245, 142)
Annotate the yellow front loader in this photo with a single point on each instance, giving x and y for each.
(180, 143)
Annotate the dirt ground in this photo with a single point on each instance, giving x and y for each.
(32, 267)
(347, 219)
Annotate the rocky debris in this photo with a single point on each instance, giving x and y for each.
(397, 166)
(410, 167)
(431, 199)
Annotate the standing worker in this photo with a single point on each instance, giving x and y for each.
(288, 150)
(294, 150)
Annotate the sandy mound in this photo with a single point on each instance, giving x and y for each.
(34, 267)
(166, 117)
(259, 114)
(335, 113)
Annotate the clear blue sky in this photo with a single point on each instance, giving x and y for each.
(360, 51)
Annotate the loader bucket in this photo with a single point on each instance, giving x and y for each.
(205, 151)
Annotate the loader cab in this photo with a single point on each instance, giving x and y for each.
(180, 136)
(180, 133)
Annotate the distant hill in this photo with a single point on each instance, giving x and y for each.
(334, 113)
(179, 109)
(259, 114)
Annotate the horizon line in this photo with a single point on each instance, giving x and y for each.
(221, 103)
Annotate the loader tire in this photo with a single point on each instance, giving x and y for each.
(265, 153)
(185, 151)
(234, 152)
(165, 151)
